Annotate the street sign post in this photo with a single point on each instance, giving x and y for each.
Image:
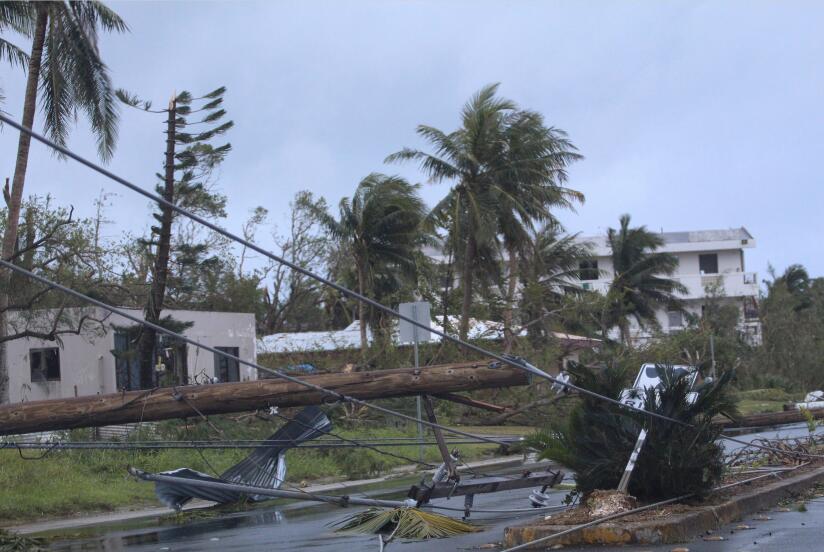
(408, 332)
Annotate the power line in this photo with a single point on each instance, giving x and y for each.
(625, 513)
(338, 396)
(213, 445)
(516, 363)
(342, 289)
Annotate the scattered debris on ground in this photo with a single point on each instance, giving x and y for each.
(606, 503)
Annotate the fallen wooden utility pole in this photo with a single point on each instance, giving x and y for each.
(770, 418)
(193, 400)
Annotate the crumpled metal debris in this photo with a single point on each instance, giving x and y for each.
(264, 467)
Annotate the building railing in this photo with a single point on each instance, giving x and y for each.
(730, 284)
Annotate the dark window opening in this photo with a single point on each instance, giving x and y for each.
(751, 309)
(45, 364)
(708, 263)
(589, 270)
(675, 319)
(126, 362)
(227, 369)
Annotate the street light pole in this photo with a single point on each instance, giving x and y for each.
(418, 398)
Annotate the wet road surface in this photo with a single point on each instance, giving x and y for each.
(791, 531)
(282, 526)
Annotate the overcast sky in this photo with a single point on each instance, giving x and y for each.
(690, 115)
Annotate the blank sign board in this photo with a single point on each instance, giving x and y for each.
(418, 311)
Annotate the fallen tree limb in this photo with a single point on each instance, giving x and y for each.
(460, 399)
(504, 416)
(192, 400)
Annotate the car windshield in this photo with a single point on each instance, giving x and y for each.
(652, 375)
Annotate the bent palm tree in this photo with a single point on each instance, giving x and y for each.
(531, 187)
(506, 166)
(65, 65)
(380, 228)
(551, 269)
(640, 284)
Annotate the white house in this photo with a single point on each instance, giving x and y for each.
(706, 259)
(85, 363)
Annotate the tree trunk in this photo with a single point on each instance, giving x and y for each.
(160, 273)
(509, 337)
(466, 282)
(364, 341)
(16, 195)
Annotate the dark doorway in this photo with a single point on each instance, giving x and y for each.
(227, 369)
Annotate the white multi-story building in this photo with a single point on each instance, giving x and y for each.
(707, 259)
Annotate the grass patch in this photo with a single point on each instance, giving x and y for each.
(747, 406)
(770, 394)
(66, 483)
(757, 401)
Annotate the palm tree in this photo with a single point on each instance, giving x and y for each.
(640, 284)
(531, 187)
(15, 17)
(66, 67)
(550, 269)
(596, 438)
(380, 229)
(505, 165)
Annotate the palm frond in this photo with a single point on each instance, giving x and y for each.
(14, 55)
(404, 523)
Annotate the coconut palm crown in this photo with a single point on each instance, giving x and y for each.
(640, 285)
(380, 229)
(506, 167)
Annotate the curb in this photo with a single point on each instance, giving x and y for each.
(675, 528)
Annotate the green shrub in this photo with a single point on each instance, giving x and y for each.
(598, 437)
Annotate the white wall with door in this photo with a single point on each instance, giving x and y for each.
(85, 364)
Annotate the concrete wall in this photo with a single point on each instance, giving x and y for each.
(87, 366)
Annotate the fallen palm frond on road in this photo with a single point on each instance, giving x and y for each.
(10, 542)
(404, 523)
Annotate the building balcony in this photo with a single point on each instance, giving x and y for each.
(733, 284)
(730, 284)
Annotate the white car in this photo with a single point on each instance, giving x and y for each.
(649, 377)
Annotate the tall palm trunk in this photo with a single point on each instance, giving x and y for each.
(16, 195)
(362, 309)
(466, 282)
(160, 272)
(512, 288)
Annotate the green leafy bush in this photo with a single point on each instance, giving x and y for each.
(597, 438)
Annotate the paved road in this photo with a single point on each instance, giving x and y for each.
(282, 529)
(785, 532)
(298, 526)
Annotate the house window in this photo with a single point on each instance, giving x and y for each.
(708, 263)
(227, 369)
(675, 319)
(45, 364)
(589, 270)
